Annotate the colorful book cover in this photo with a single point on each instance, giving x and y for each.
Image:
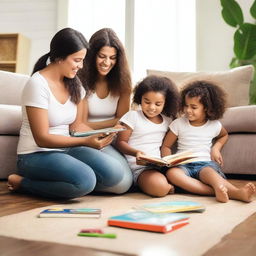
(71, 213)
(106, 131)
(173, 206)
(143, 220)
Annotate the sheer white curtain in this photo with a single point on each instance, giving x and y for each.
(158, 34)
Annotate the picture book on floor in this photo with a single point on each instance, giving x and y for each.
(155, 222)
(70, 213)
(105, 131)
(171, 160)
(172, 206)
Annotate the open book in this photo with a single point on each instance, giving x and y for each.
(106, 131)
(171, 160)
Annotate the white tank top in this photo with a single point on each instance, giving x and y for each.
(101, 109)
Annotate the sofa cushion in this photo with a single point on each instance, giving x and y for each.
(11, 85)
(240, 119)
(10, 119)
(235, 82)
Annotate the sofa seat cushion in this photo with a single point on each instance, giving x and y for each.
(235, 82)
(10, 119)
(240, 119)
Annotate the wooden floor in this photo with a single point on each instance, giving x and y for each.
(244, 234)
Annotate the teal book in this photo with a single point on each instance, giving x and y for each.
(143, 220)
(105, 131)
(70, 213)
(173, 206)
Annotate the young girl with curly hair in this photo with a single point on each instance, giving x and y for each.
(158, 98)
(202, 103)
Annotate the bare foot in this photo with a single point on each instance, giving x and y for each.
(246, 193)
(221, 194)
(14, 182)
(172, 189)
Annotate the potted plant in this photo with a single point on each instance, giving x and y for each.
(244, 38)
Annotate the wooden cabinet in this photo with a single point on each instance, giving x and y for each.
(14, 53)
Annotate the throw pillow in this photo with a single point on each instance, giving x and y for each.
(236, 81)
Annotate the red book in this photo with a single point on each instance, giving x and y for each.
(156, 222)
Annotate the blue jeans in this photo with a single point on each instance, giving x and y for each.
(127, 180)
(68, 174)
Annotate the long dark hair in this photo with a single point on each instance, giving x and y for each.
(119, 78)
(64, 43)
(163, 85)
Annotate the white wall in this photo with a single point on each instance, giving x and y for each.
(214, 36)
(40, 19)
(36, 19)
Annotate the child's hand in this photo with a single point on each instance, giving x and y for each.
(216, 156)
(138, 160)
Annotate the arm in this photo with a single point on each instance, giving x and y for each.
(39, 123)
(123, 106)
(219, 143)
(169, 140)
(122, 142)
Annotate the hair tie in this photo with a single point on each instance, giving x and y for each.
(48, 61)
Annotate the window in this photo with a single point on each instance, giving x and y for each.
(157, 34)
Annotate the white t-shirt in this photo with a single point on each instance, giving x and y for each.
(101, 109)
(196, 138)
(146, 136)
(37, 93)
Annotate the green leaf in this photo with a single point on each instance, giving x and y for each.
(232, 13)
(252, 92)
(253, 10)
(234, 63)
(245, 41)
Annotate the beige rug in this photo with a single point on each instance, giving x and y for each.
(204, 230)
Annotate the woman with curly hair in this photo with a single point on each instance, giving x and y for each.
(107, 77)
(203, 103)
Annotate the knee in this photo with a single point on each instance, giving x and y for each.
(159, 191)
(157, 187)
(82, 187)
(122, 187)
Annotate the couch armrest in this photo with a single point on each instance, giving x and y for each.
(240, 119)
(10, 119)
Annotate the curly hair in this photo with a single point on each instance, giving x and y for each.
(163, 85)
(119, 78)
(210, 95)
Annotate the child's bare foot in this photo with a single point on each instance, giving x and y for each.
(221, 194)
(14, 182)
(245, 193)
(172, 189)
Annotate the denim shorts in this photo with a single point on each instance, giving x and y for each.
(193, 169)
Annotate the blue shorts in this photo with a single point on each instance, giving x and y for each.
(193, 169)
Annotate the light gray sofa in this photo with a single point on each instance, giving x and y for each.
(11, 86)
(240, 121)
(239, 152)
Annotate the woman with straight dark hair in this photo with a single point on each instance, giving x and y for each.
(107, 76)
(51, 163)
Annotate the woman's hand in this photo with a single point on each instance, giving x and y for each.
(99, 141)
